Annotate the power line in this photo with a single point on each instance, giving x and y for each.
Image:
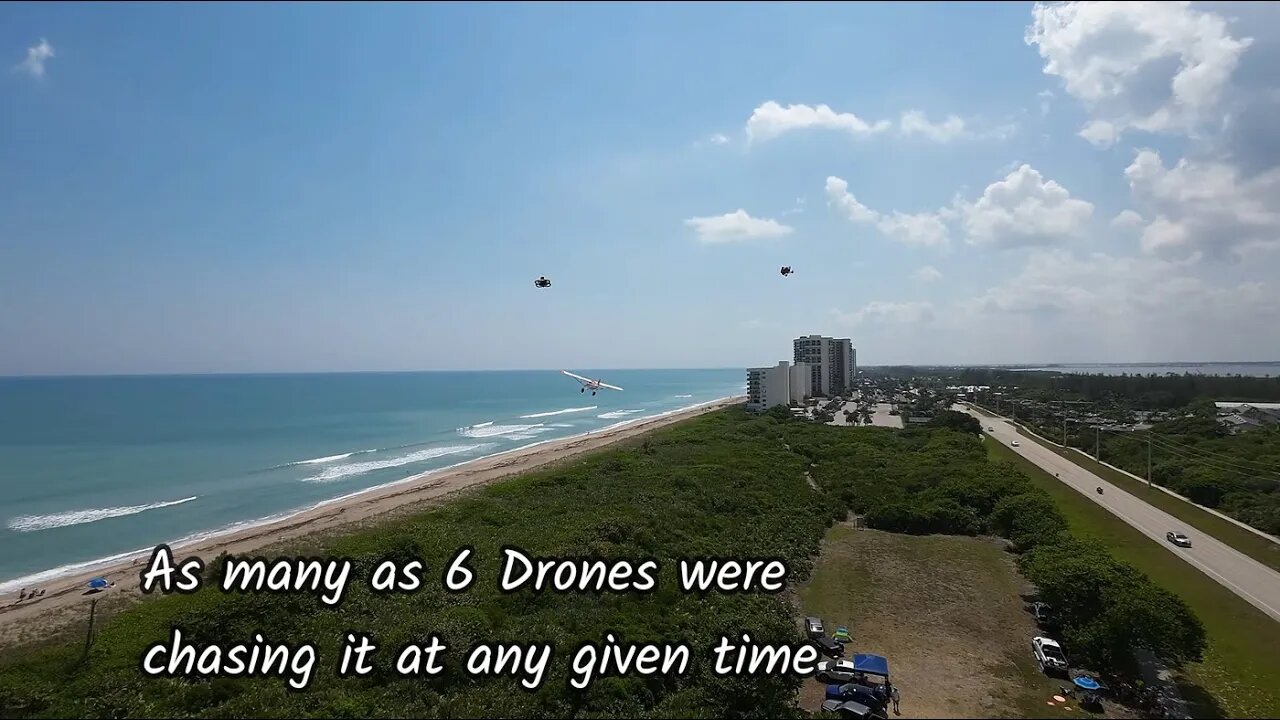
(1164, 442)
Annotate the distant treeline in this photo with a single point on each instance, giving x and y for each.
(1141, 392)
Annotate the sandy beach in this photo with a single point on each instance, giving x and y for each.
(64, 600)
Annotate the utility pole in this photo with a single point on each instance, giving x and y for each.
(88, 640)
(1097, 443)
(1064, 425)
(1148, 460)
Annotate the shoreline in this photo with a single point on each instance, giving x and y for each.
(26, 621)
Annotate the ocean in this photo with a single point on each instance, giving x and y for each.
(93, 468)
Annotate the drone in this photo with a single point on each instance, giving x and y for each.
(786, 270)
(542, 282)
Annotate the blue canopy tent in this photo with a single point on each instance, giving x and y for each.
(99, 583)
(1087, 683)
(871, 664)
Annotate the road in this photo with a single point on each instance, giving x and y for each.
(1239, 573)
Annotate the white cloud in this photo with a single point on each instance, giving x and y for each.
(795, 209)
(771, 120)
(1046, 101)
(1100, 133)
(925, 229)
(1153, 66)
(1127, 219)
(719, 139)
(735, 226)
(1020, 210)
(33, 65)
(1137, 291)
(928, 273)
(1204, 206)
(1024, 209)
(915, 122)
(898, 313)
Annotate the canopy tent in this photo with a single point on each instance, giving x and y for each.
(871, 664)
(99, 583)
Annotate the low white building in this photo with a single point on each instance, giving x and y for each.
(782, 384)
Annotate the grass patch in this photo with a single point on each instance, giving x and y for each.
(945, 610)
(1240, 666)
(1249, 543)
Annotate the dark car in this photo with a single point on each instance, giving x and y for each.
(849, 708)
(855, 692)
(813, 626)
(829, 647)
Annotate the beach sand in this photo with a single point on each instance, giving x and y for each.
(65, 600)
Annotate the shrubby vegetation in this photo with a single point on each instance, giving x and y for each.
(724, 484)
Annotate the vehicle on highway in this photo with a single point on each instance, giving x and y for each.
(1049, 655)
(1178, 539)
(829, 647)
(813, 626)
(838, 672)
(991, 428)
(1014, 443)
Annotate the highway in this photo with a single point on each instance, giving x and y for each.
(1239, 573)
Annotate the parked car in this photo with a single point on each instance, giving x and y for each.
(841, 635)
(1178, 539)
(813, 626)
(1049, 655)
(863, 694)
(838, 672)
(849, 708)
(829, 647)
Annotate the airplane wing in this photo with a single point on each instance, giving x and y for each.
(579, 378)
(611, 387)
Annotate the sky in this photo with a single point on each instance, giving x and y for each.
(325, 187)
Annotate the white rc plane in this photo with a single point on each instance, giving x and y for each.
(589, 384)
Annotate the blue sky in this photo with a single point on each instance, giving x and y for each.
(293, 187)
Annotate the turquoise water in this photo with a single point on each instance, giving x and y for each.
(92, 468)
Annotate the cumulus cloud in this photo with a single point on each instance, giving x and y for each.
(1127, 219)
(1137, 289)
(771, 120)
(915, 122)
(1204, 206)
(1023, 209)
(37, 56)
(1154, 66)
(881, 311)
(734, 226)
(928, 273)
(925, 229)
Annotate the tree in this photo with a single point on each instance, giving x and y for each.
(958, 421)
(781, 413)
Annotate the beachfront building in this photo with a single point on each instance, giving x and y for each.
(833, 363)
(768, 386)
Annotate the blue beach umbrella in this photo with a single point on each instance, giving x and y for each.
(99, 583)
(1087, 683)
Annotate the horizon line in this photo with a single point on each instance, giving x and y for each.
(994, 366)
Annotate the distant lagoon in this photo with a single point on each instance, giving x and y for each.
(1253, 369)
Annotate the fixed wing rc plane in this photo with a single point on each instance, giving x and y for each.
(589, 384)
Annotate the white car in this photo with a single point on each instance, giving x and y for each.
(836, 672)
(1014, 443)
(1049, 655)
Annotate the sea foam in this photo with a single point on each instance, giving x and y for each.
(337, 472)
(31, 523)
(565, 411)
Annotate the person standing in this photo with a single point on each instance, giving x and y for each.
(894, 694)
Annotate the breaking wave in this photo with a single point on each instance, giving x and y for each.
(31, 523)
(557, 412)
(684, 396)
(488, 429)
(338, 472)
(617, 414)
(330, 458)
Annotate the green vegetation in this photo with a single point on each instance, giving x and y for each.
(1238, 666)
(1259, 548)
(1145, 392)
(725, 484)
